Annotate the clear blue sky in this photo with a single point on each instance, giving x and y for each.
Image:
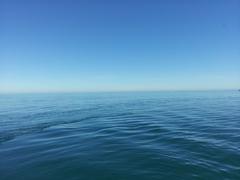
(108, 45)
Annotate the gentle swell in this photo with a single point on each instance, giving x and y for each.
(148, 137)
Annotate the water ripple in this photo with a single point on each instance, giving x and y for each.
(148, 136)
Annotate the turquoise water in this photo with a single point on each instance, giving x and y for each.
(120, 136)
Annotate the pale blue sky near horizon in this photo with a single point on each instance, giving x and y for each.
(119, 45)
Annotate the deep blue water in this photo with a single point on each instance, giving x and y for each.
(120, 136)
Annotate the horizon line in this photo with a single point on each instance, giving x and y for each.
(113, 91)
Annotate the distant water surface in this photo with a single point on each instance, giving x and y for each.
(120, 136)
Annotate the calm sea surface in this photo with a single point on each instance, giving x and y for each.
(120, 136)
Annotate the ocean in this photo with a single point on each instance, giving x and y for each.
(120, 136)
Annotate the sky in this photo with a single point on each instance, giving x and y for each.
(119, 45)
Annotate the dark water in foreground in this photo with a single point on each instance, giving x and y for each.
(120, 136)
